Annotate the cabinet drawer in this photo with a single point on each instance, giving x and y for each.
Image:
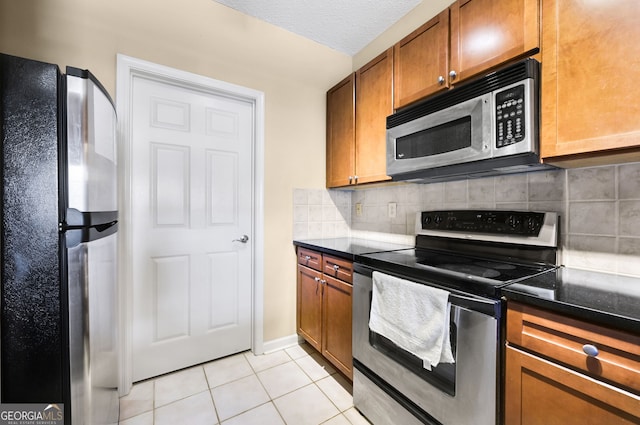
(566, 340)
(338, 268)
(311, 259)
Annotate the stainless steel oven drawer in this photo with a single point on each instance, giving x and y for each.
(378, 406)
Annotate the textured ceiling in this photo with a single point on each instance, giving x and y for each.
(343, 25)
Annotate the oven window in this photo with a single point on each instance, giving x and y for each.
(447, 137)
(442, 376)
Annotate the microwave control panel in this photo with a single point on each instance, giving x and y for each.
(510, 113)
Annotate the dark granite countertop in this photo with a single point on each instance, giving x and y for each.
(603, 298)
(348, 248)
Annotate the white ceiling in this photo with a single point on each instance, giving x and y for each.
(343, 25)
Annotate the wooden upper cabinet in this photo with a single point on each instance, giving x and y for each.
(468, 38)
(357, 109)
(590, 107)
(374, 91)
(340, 160)
(487, 33)
(421, 62)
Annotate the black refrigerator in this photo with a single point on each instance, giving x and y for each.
(59, 241)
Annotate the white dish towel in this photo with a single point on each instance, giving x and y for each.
(414, 316)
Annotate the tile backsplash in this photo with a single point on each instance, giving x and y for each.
(599, 206)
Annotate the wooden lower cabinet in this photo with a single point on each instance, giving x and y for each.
(549, 380)
(541, 392)
(336, 324)
(310, 306)
(324, 307)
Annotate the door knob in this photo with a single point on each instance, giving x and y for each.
(243, 239)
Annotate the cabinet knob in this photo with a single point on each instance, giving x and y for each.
(336, 267)
(350, 179)
(317, 279)
(307, 258)
(355, 179)
(441, 80)
(590, 350)
(453, 74)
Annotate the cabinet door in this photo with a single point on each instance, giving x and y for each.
(340, 133)
(540, 392)
(590, 54)
(336, 342)
(421, 62)
(564, 339)
(309, 308)
(374, 102)
(487, 33)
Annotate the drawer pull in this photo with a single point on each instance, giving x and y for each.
(307, 258)
(336, 267)
(590, 350)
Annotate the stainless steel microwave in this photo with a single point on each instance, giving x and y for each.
(486, 127)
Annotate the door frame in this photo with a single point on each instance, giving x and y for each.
(129, 68)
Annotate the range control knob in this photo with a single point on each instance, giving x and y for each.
(532, 224)
(438, 219)
(513, 221)
(427, 219)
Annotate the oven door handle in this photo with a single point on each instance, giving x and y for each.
(488, 307)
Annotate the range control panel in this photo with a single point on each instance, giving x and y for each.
(522, 223)
(510, 113)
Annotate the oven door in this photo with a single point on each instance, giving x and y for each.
(389, 383)
(455, 135)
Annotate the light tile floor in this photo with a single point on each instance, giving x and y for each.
(294, 386)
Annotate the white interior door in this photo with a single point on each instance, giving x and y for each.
(191, 206)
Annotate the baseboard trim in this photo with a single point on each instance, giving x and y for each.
(280, 343)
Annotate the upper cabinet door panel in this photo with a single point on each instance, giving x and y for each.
(374, 90)
(486, 33)
(590, 55)
(421, 61)
(340, 133)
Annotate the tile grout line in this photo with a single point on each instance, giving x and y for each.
(254, 373)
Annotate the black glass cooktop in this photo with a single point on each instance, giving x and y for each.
(477, 267)
(458, 270)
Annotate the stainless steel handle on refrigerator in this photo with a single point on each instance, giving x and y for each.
(243, 239)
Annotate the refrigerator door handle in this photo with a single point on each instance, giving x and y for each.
(76, 218)
(78, 235)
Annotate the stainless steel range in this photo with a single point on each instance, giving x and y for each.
(465, 257)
